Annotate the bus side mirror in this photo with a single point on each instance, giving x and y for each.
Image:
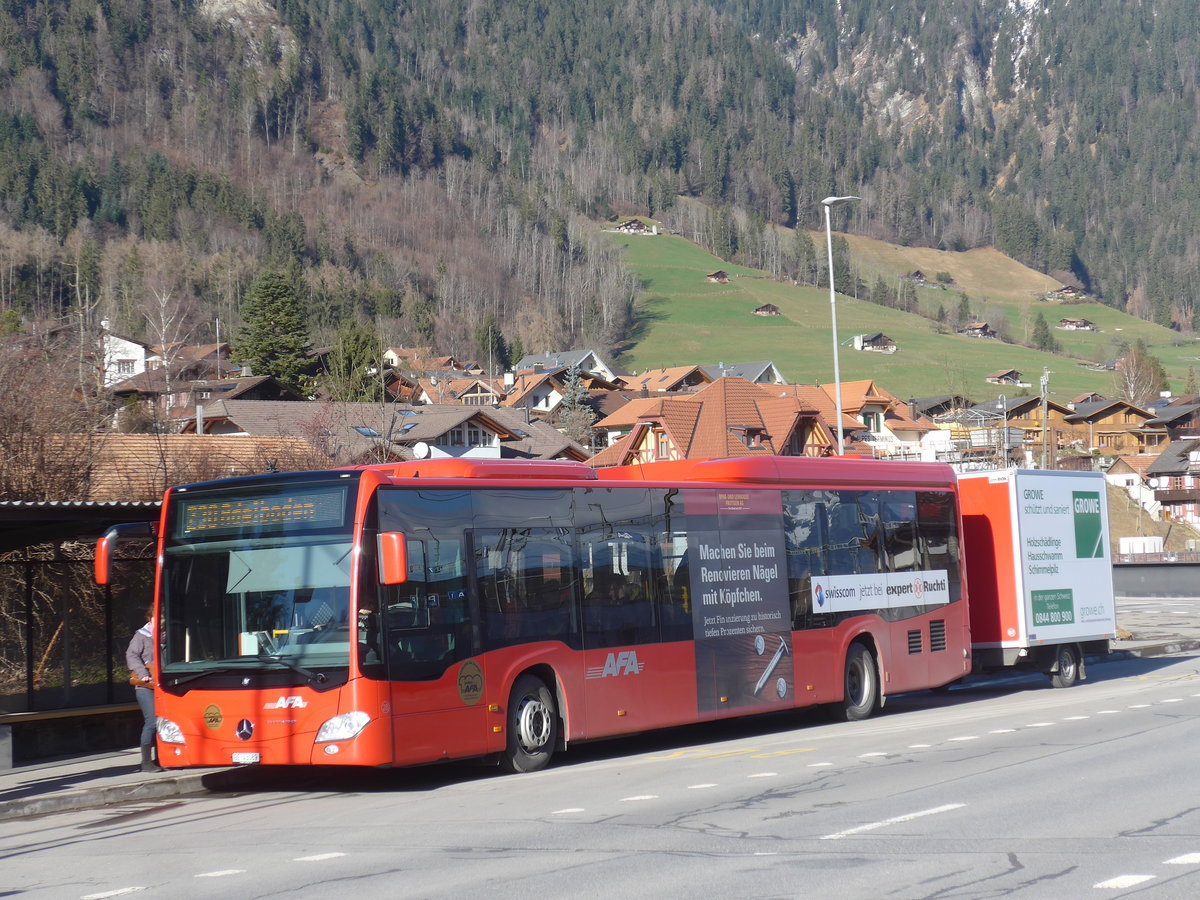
(393, 558)
(108, 543)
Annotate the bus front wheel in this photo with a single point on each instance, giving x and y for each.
(861, 698)
(532, 726)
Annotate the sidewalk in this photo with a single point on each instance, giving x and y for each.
(88, 782)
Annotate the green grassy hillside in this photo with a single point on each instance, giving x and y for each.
(686, 319)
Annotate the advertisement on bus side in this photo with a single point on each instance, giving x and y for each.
(885, 590)
(740, 611)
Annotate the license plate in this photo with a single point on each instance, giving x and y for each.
(245, 759)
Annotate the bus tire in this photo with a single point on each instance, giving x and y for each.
(861, 684)
(532, 726)
(1066, 668)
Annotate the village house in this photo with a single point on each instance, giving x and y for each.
(886, 425)
(877, 342)
(636, 226)
(720, 276)
(676, 378)
(1076, 325)
(767, 309)
(730, 417)
(977, 330)
(120, 357)
(1115, 427)
(357, 433)
(1180, 417)
(1005, 376)
(765, 372)
(1021, 417)
(586, 361)
(1174, 476)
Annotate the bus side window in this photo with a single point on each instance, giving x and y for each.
(805, 532)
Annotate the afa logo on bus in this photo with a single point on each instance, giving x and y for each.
(623, 663)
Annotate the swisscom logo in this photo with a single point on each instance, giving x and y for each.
(1089, 536)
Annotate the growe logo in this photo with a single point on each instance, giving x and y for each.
(287, 703)
(623, 663)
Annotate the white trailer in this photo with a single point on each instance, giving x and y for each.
(1038, 569)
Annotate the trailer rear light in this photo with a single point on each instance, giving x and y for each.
(343, 727)
(169, 732)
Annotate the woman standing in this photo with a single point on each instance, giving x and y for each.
(140, 658)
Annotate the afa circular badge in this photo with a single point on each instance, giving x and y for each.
(470, 682)
(213, 717)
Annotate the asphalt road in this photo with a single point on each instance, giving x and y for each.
(1004, 788)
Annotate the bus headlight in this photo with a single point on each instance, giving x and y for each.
(343, 727)
(169, 732)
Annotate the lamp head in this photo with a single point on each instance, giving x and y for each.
(837, 201)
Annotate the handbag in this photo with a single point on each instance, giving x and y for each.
(136, 680)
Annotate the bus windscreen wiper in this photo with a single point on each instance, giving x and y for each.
(309, 674)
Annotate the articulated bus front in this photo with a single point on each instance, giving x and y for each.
(258, 645)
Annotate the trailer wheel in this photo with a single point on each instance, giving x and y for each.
(861, 681)
(1067, 666)
(532, 726)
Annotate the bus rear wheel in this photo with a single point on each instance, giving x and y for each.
(532, 726)
(861, 682)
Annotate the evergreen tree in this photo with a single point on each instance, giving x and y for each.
(1043, 338)
(274, 337)
(575, 415)
(353, 366)
(1190, 388)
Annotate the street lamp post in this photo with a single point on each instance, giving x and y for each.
(829, 203)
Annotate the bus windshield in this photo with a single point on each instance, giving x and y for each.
(258, 579)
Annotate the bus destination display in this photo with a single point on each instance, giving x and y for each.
(313, 507)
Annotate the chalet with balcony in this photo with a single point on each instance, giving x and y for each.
(1175, 479)
(1180, 418)
(1115, 428)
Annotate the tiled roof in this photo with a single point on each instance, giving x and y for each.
(713, 422)
(139, 467)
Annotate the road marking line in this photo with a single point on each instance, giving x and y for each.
(1172, 700)
(318, 857)
(699, 787)
(1138, 706)
(1002, 731)
(819, 765)
(1188, 859)
(1040, 724)
(1123, 881)
(773, 753)
(1108, 712)
(1077, 718)
(219, 874)
(966, 737)
(569, 809)
(870, 755)
(120, 892)
(638, 797)
(763, 775)
(919, 746)
(897, 820)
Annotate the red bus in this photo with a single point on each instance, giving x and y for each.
(423, 611)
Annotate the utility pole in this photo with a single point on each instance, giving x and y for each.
(1045, 381)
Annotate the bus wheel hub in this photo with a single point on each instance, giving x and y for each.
(533, 724)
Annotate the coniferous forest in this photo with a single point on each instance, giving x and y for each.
(436, 166)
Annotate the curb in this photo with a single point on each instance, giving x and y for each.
(152, 789)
